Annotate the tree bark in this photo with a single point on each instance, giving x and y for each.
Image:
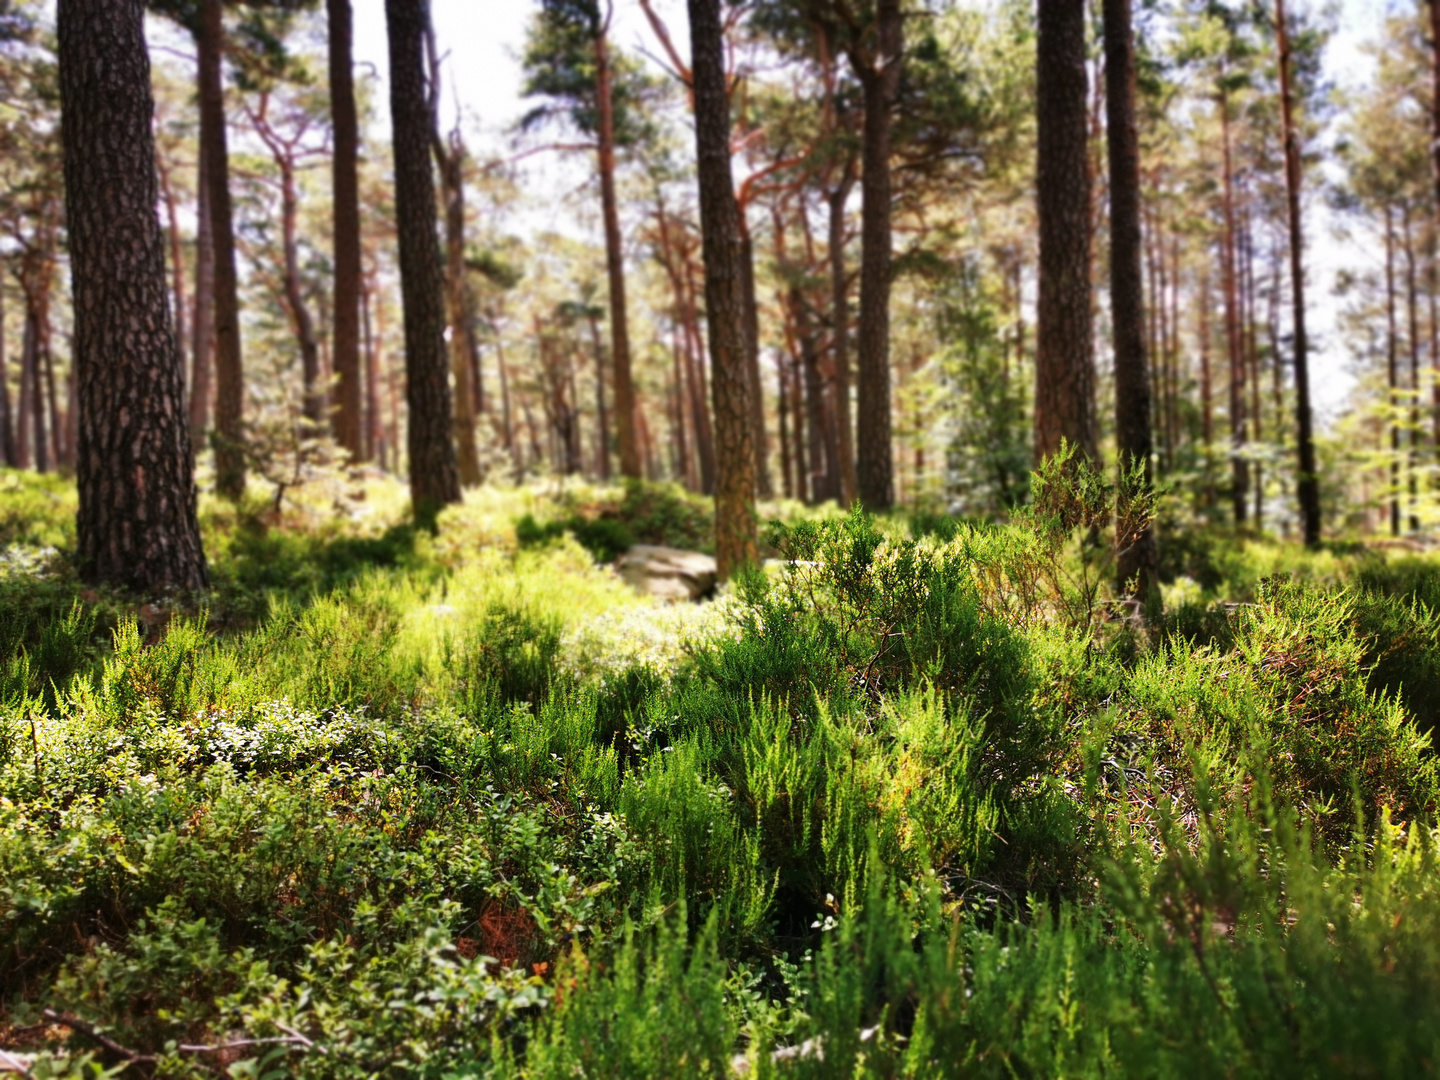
(880, 84)
(7, 425)
(1137, 552)
(615, 261)
(202, 325)
(840, 319)
(136, 526)
(32, 414)
(348, 423)
(1308, 481)
(451, 160)
(764, 488)
(177, 253)
(434, 478)
(1064, 349)
(1239, 470)
(229, 371)
(1392, 353)
(602, 422)
(736, 533)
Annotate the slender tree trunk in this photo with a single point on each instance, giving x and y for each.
(374, 427)
(736, 531)
(1239, 471)
(764, 488)
(1412, 318)
(1137, 561)
(136, 524)
(602, 422)
(31, 391)
(302, 321)
(1064, 350)
(345, 188)
(1308, 480)
(451, 161)
(7, 422)
(683, 468)
(202, 344)
(880, 83)
(1392, 356)
(434, 478)
(840, 334)
(58, 449)
(229, 372)
(615, 261)
(699, 391)
(177, 253)
(1207, 390)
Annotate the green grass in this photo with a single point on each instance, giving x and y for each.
(912, 802)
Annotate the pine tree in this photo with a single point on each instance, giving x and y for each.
(136, 524)
(735, 522)
(434, 478)
(1064, 360)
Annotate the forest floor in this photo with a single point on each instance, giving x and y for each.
(919, 799)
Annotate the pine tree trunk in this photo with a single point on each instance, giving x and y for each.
(602, 421)
(32, 420)
(880, 82)
(615, 264)
(177, 254)
(229, 372)
(136, 525)
(301, 320)
(202, 324)
(736, 533)
(1308, 480)
(434, 478)
(345, 188)
(1392, 355)
(1412, 319)
(7, 424)
(451, 160)
(764, 488)
(840, 319)
(1137, 553)
(1239, 471)
(1064, 349)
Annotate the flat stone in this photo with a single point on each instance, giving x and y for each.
(668, 573)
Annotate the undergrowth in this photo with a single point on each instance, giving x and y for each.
(907, 802)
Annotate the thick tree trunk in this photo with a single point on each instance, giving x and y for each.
(1137, 552)
(434, 478)
(880, 83)
(229, 372)
(1308, 480)
(345, 188)
(1064, 348)
(202, 325)
(736, 533)
(615, 263)
(136, 524)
